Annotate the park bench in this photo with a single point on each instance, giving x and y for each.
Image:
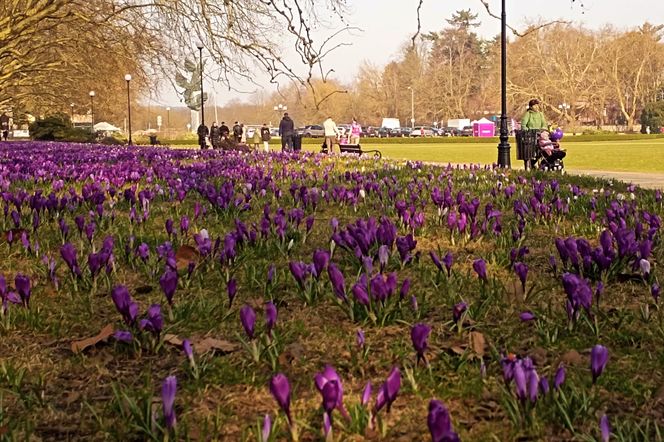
(357, 149)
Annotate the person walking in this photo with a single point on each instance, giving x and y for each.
(256, 138)
(237, 132)
(331, 133)
(265, 136)
(225, 131)
(533, 118)
(355, 131)
(243, 136)
(215, 136)
(286, 132)
(202, 132)
(4, 126)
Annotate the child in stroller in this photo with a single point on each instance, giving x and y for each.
(552, 154)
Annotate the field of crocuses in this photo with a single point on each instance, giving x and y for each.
(153, 294)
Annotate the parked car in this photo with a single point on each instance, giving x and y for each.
(368, 131)
(383, 132)
(406, 131)
(311, 131)
(448, 131)
(395, 132)
(422, 131)
(344, 129)
(467, 131)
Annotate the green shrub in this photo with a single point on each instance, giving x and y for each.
(653, 117)
(58, 127)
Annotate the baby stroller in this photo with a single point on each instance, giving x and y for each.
(533, 157)
(550, 154)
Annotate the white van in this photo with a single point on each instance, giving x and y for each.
(391, 123)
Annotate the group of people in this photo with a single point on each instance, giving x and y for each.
(333, 135)
(221, 136)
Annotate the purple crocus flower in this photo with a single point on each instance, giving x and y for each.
(605, 428)
(559, 378)
(68, 253)
(232, 291)
(124, 304)
(169, 283)
(360, 294)
(123, 336)
(521, 270)
(280, 390)
(448, 260)
(154, 321)
(359, 337)
(419, 334)
(383, 256)
(479, 265)
(405, 288)
(321, 260)
(188, 349)
(440, 424)
(544, 386)
(248, 319)
(436, 260)
(169, 227)
(267, 428)
(388, 391)
(299, 271)
(143, 251)
(184, 225)
(458, 310)
(168, 390)
(270, 317)
(655, 291)
(599, 356)
(332, 394)
(270, 273)
(337, 280)
(520, 380)
(22, 284)
(527, 316)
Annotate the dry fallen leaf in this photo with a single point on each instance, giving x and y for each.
(214, 345)
(477, 343)
(185, 255)
(204, 345)
(104, 334)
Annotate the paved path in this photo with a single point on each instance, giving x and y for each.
(646, 180)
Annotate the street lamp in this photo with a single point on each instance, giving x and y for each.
(412, 107)
(199, 45)
(564, 108)
(504, 145)
(71, 106)
(168, 118)
(279, 109)
(128, 79)
(92, 109)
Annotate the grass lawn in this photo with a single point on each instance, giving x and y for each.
(627, 156)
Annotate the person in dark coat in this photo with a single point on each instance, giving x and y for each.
(202, 132)
(237, 132)
(224, 130)
(215, 136)
(4, 126)
(286, 131)
(265, 136)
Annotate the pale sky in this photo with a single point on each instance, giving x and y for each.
(387, 24)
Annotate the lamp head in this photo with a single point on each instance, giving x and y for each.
(92, 93)
(199, 45)
(128, 77)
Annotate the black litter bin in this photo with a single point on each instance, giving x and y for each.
(153, 140)
(526, 146)
(297, 142)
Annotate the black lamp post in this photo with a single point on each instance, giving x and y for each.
(92, 110)
(199, 45)
(128, 79)
(168, 118)
(504, 145)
